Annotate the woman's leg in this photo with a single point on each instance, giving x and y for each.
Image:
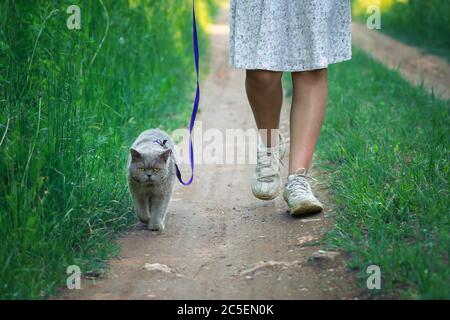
(309, 100)
(265, 94)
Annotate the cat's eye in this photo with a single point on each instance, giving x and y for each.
(155, 169)
(142, 169)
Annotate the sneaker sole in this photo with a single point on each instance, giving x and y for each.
(305, 209)
(262, 197)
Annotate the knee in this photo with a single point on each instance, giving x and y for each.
(263, 79)
(312, 76)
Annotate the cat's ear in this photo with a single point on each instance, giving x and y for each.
(165, 155)
(135, 155)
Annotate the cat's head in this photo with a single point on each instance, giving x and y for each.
(149, 167)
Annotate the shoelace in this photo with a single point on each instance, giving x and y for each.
(299, 183)
(265, 161)
(264, 164)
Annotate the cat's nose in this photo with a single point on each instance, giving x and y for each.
(148, 175)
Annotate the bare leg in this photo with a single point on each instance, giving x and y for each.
(265, 94)
(309, 100)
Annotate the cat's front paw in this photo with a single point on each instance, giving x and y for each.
(157, 227)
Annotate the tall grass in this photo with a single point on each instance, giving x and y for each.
(423, 23)
(70, 106)
(385, 145)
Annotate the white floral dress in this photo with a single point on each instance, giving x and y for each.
(289, 35)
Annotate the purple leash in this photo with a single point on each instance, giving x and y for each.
(195, 106)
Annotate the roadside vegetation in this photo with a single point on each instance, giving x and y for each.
(422, 23)
(385, 147)
(71, 102)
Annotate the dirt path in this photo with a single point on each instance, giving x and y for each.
(217, 231)
(413, 64)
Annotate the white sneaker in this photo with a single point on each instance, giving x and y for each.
(266, 184)
(298, 194)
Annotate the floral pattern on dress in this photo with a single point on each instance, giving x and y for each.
(289, 35)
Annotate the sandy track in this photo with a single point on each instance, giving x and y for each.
(217, 231)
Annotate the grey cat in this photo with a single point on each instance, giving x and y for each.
(151, 175)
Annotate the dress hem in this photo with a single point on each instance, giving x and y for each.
(291, 68)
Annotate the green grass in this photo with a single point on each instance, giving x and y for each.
(67, 120)
(385, 146)
(422, 23)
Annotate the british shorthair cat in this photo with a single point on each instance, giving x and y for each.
(151, 176)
